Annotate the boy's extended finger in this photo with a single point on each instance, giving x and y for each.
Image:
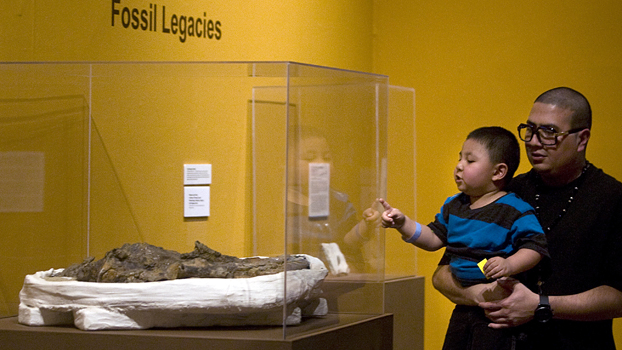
(385, 204)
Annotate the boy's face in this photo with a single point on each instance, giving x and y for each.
(474, 172)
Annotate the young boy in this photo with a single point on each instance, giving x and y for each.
(489, 233)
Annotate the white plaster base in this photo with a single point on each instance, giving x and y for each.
(194, 302)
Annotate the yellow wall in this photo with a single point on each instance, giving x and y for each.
(477, 63)
(471, 63)
(329, 33)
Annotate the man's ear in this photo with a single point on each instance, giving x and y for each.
(584, 137)
(499, 172)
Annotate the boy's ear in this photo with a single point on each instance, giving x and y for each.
(499, 172)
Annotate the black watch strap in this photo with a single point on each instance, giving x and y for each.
(543, 313)
(544, 300)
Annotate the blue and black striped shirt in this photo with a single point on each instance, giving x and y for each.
(497, 229)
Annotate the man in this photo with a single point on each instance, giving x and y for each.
(580, 209)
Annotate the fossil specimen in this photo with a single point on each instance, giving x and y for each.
(142, 262)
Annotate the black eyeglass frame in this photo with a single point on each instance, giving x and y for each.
(536, 131)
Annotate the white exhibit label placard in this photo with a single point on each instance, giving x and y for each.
(319, 189)
(196, 201)
(197, 174)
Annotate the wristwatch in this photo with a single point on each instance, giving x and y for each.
(543, 313)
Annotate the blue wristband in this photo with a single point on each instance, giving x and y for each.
(415, 235)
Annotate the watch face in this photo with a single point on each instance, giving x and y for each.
(543, 314)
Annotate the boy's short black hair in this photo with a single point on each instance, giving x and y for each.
(502, 147)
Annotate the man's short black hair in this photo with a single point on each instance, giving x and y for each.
(567, 98)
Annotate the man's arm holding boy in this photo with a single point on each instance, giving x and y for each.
(509, 303)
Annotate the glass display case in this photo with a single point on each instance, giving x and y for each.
(93, 157)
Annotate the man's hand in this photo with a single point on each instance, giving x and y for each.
(516, 309)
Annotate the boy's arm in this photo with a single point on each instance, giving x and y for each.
(412, 232)
(426, 240)
(524, 259)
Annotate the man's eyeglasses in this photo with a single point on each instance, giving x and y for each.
(546, 134)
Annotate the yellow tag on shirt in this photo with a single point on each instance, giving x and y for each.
(481, 265)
